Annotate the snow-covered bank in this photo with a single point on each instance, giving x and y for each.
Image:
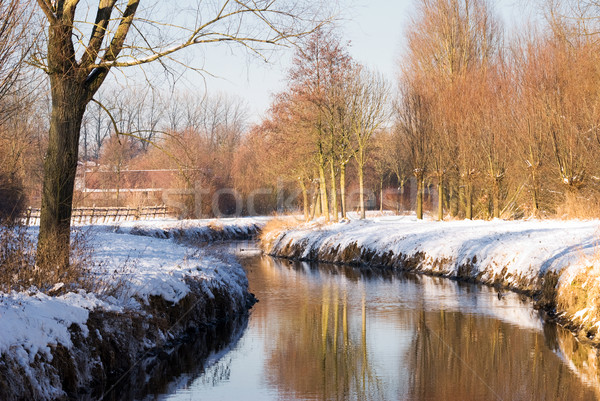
(549, 260)
(151, 294)
(206, 230)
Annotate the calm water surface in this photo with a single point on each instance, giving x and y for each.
(323, 332)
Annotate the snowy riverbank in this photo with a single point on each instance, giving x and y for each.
(206, 230)
(556, 262)
(152, 293)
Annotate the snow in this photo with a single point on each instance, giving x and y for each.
(526, 249)
(202, 229)
(133, 268)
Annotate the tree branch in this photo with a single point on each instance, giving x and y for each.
(98, 32)
(95, 79)
(46, 7)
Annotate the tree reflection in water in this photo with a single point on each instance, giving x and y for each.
(326, 332)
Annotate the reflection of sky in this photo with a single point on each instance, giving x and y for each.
(393, 305)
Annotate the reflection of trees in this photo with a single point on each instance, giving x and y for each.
(320, 341)
(583, 359)
(469, 357)
(320, 346)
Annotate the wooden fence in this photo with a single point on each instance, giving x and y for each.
(104, 214)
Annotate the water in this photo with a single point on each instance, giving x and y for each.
(323, 332)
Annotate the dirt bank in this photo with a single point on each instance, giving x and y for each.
(127, 355)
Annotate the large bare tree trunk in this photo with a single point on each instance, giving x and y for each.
(401, 198)
(315, 205)
(454, 201)
(305, 199)
(381, 195)
(60, 167)
(469, 200)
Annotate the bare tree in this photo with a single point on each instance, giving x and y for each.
(318, 76)
(83, 46)
(15, 44)
(415, 127)
(369, 110)
(447, 41)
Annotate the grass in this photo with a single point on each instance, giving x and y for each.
(275, 226)
(19, 272)
(578, 296)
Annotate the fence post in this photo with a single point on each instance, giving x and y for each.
(116, 213)
(92, 215)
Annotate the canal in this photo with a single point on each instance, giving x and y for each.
(324, 332)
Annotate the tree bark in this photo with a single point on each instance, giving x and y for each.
(323, 189)
(60, 168)
(454, 201)
(304, 199)
(317, 206)
(401, 200)
(420, 197)
(333, 190)
(343, 189)
(361, 191)
(381, 195)
(469, 200)
(440, 198)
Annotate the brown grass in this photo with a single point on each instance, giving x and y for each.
(216, 226)
(274, 227)
(579, 206)
(582, 293)
(19, 272)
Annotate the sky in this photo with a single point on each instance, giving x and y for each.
(375, 29)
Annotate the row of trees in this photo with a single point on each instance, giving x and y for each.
(500, 127)
(20, 139)
(148, 116)
(505, 128)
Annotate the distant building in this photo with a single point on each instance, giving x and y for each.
(98, 185)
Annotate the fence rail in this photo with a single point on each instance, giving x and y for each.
(104, 214)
